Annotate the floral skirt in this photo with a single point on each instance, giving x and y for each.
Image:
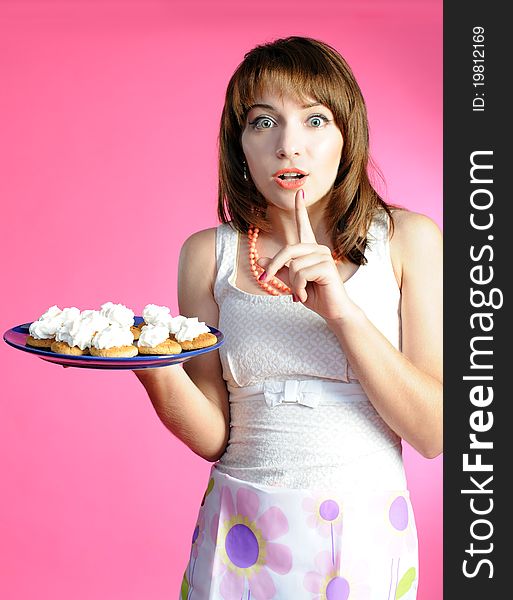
(254, 542)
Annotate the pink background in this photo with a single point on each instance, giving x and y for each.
(109, 114)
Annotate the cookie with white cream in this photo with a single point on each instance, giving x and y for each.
(76, 333)
(153, 314)
(193, 334)
(121, 315)
(154, 339)
(42, 332)
(113, 341)
(118, 314)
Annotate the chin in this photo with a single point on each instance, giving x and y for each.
(286, 202)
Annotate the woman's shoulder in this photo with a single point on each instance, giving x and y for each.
(205, 238)
(416, 239)
(198, 239)
(203, 242)
(198, 263)
(198, 250)
(413, 228)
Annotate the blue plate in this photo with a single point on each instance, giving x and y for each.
(17, 336)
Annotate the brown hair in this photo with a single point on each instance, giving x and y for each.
(305, 68)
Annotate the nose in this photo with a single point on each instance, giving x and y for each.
(290, 143)
(287, 152)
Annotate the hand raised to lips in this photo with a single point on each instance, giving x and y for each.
(312, 272)
(305, 233)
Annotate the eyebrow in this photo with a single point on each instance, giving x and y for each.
(270, 107)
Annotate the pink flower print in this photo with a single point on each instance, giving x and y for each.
(395, 525)
(339, 580)
(245, 546)
(400, 522)
(197, 539)
(395, 529)
(198, 535)
(325, 514)
(398, 513)
(326, 582)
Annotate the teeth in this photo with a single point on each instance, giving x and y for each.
(290, 176)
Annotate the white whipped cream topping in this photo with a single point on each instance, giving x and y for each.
(112, 336)
(190, 329)
(44, 330)
(175, 323)
(79, 331)
(153, 335)
(53, 311)
(88, 314)
(49, 322)
(113, 322)
(118, 313)
(69, 315)
(155, 315)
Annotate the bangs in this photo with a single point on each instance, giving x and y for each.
(297, 75)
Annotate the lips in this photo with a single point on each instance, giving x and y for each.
(290, 179)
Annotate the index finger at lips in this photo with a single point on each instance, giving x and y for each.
(305, 232)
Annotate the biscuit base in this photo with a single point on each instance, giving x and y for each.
(115, 352)
(204, 340)
(32, 341)
(65, 348)
(166, 347)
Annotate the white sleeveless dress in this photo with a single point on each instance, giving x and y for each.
(309, 500)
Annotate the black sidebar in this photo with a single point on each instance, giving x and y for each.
(478, 234)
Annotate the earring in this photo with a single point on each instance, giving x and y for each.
(245, 173)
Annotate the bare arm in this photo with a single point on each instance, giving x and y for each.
(192, 401)
(405, 387)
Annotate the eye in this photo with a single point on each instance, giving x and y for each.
(317, 121)
(262, 123)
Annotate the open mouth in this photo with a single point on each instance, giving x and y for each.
(290, 179)
(290, 176)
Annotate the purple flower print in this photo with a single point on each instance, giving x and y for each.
(399, 522)
(398, 513)
(335, 581)
(197, 539)
(396, 529)
(245, 546)
(326, 582)
(198, 535)
(394, 525)
(325, 514)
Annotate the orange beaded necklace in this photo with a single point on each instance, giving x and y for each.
(274, 286)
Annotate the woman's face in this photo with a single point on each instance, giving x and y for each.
(289, 145)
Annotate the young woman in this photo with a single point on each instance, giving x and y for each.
(331, 306)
